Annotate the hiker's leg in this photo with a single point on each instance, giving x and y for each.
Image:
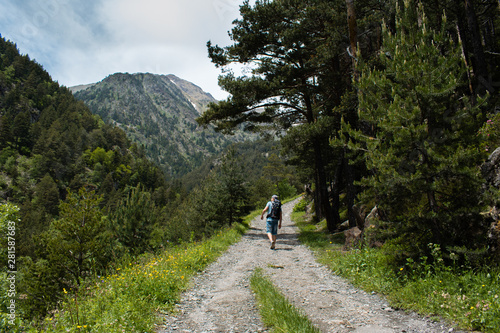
(269, 230)
(274, 233)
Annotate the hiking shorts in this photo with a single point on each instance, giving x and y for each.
(272, 226)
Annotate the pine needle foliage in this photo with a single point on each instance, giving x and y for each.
(419, 136)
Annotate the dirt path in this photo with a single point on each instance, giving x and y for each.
(220, 299)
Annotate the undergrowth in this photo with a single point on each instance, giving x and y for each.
(463, 297)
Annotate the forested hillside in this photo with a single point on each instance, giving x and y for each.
(158, 112)
(53, 150)
(81, 198)
(51, 144)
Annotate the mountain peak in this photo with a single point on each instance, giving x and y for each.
(159, 112)
(198, 98)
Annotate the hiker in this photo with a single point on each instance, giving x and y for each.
(273, 209)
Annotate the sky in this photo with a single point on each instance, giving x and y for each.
(81, 42)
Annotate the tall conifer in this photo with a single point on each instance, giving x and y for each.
(295, 50)
(420, 135)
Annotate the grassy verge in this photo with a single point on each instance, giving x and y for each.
(132, 299)
(275, 310)
(466, 298)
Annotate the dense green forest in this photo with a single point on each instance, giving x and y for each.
(390, 104)
(80, 197)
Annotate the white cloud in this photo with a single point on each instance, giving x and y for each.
(152, 20)
(82, 42)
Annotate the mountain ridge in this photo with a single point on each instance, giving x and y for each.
(191, 90)
(158, 112)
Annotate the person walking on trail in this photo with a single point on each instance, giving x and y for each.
(274, 216)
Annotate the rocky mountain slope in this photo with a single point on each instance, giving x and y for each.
(158, 112)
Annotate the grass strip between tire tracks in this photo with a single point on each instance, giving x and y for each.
(276, 311)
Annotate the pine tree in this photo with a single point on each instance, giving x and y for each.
(9, 218)
(21, 132)
(134, 219)
(75, 246)
(78, 240)
(6, 138)
(234, 191)
(47, 195)
(420, 135)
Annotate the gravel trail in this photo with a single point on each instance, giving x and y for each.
(220, 299)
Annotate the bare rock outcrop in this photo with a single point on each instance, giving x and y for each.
(352, 238)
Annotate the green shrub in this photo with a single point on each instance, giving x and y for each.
(301, 205)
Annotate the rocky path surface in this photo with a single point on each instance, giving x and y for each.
(220, 299)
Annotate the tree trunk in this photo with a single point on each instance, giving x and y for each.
(479, 60)
(348, 169)
(464, 56)
(350, 191)
(353, 30)
(431, 199)
(321, 186)
(317, 198)
(79, 269)
(335, 195)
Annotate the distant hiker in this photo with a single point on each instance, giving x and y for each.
(273, 209)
